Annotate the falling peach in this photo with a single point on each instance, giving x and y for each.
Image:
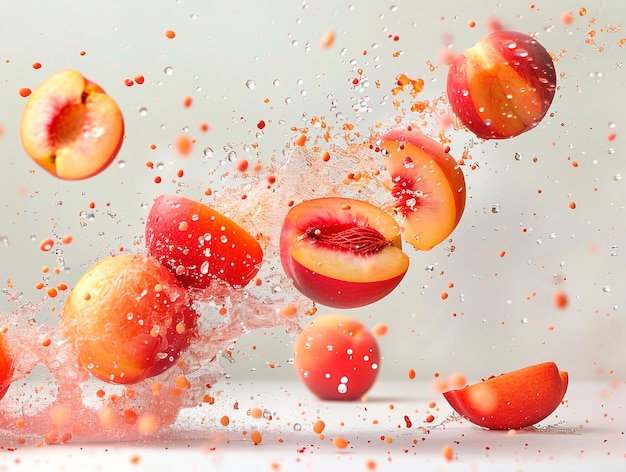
(71, 127)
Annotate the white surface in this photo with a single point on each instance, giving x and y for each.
(584, 433)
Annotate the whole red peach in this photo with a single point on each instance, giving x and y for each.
(336, 357)
(503, 86)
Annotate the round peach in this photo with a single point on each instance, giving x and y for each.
(336, 357)
(503, 86)
(71, 127)
(128, 318)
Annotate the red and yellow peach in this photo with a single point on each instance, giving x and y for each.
(128, 319)
(199, 244)
(341, 252)
(503, 86)
(71, 127)
(428, 185)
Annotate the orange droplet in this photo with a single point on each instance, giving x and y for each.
(183, 145)
(46, 244)
(187, 101)
(560, 300)
(447, 453)
(328, 39)
(170, 34)
(24, 92)
(380, 330)
(256, 412)
(300, 140)
(339, 442)
(411, 374)
(256, 437)
(318, 427)
(457, 380)
(572, 205)
(225, 420)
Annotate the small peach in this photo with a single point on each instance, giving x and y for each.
(336, 357)
(71, 127)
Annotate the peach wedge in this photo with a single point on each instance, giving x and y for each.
(71, 127)
(514, 400)
(428, 186)
(341, 252)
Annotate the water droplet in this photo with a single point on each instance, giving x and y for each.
(617, 177)
(518, 156)
(168, 70)
(121, 164)
(4, 241)
(524, 320)
(207, 152)
(251, 84)
(606, 289)
(342, 388)
(143, 111)
(297, 427)
(495, 208)
(276, 82)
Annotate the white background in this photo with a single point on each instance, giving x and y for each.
(506, 318)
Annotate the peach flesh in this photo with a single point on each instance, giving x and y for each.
(122, 317)
(428, 185)
(341, 252)
(71, 127)
(511, 401)
(503, 86)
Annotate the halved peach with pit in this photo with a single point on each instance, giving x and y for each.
(428, 185)
(71, 127)
(342, 252)
(512, 401)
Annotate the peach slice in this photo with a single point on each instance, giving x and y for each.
(514, 400)
(341, 252)
(128, 319)
(503, 86)
(428, 185)
(199, 244)
(71, 127)
(6, 367)
(336, 357)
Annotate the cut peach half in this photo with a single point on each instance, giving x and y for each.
(71, 127)
(6, 367)
(428, 186)
(342, 252)
(512, 401)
